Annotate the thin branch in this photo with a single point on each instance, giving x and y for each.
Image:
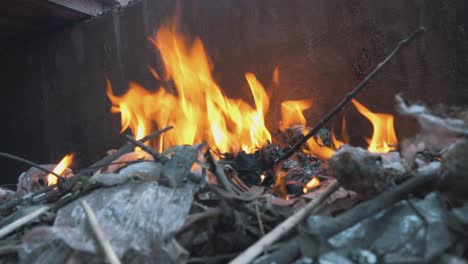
(366, 209)
(28, 162)
(156, 155)
(22, 221)
(259, 218)
(256, 249)
(121, 151)
(99, 237)
(352, 94)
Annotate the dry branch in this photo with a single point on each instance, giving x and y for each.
(99, 237)
(256, 249)
(22, 221)
(157, 156)
(121, 151)
(352, 94)
(30, 163)
(333, 226)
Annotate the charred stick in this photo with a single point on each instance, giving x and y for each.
(364, 210)
(121, 151)
(30, 196)
(352, 94)
(30, 163)
(157, 156)
(22, 221)
(256, 249)
(99, 237)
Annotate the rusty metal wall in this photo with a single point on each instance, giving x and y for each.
(54, 87)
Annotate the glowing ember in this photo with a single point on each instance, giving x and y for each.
(59, 169)
(200, 112)
(383, 137)
(314, 182)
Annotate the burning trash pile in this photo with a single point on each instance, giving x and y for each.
(213, 185)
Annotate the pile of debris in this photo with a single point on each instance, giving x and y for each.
(185, 206)
(279, 204)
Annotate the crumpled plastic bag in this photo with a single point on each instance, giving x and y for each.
(436, 133)
(137, 217)
(401, 233)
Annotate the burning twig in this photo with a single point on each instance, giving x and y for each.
(253, 251)
(157, 156)
(22, 221)
(99, 236)
(352, 94)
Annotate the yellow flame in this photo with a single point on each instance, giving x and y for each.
(199, 112)
(59, 169)
(292, 113)
(314, 182)
(383, 137)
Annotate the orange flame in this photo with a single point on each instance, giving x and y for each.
(292, 113)
(344, 133)
(59, 169)
(314, 182)
(199, 111)
(383, 137)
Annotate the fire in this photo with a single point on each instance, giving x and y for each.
(292, 113)
(199, 111)
(383, 137)
(314, 182)
(59, 169)
(344, 134)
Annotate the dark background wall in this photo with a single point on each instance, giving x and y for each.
(53, 98)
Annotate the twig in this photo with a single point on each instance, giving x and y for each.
(253, 251)
(157, 156)
(28, 162)
(364, 210)
(22, 221)
(259, 219)
(121, 151)
(352, 94)
(99, 237)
